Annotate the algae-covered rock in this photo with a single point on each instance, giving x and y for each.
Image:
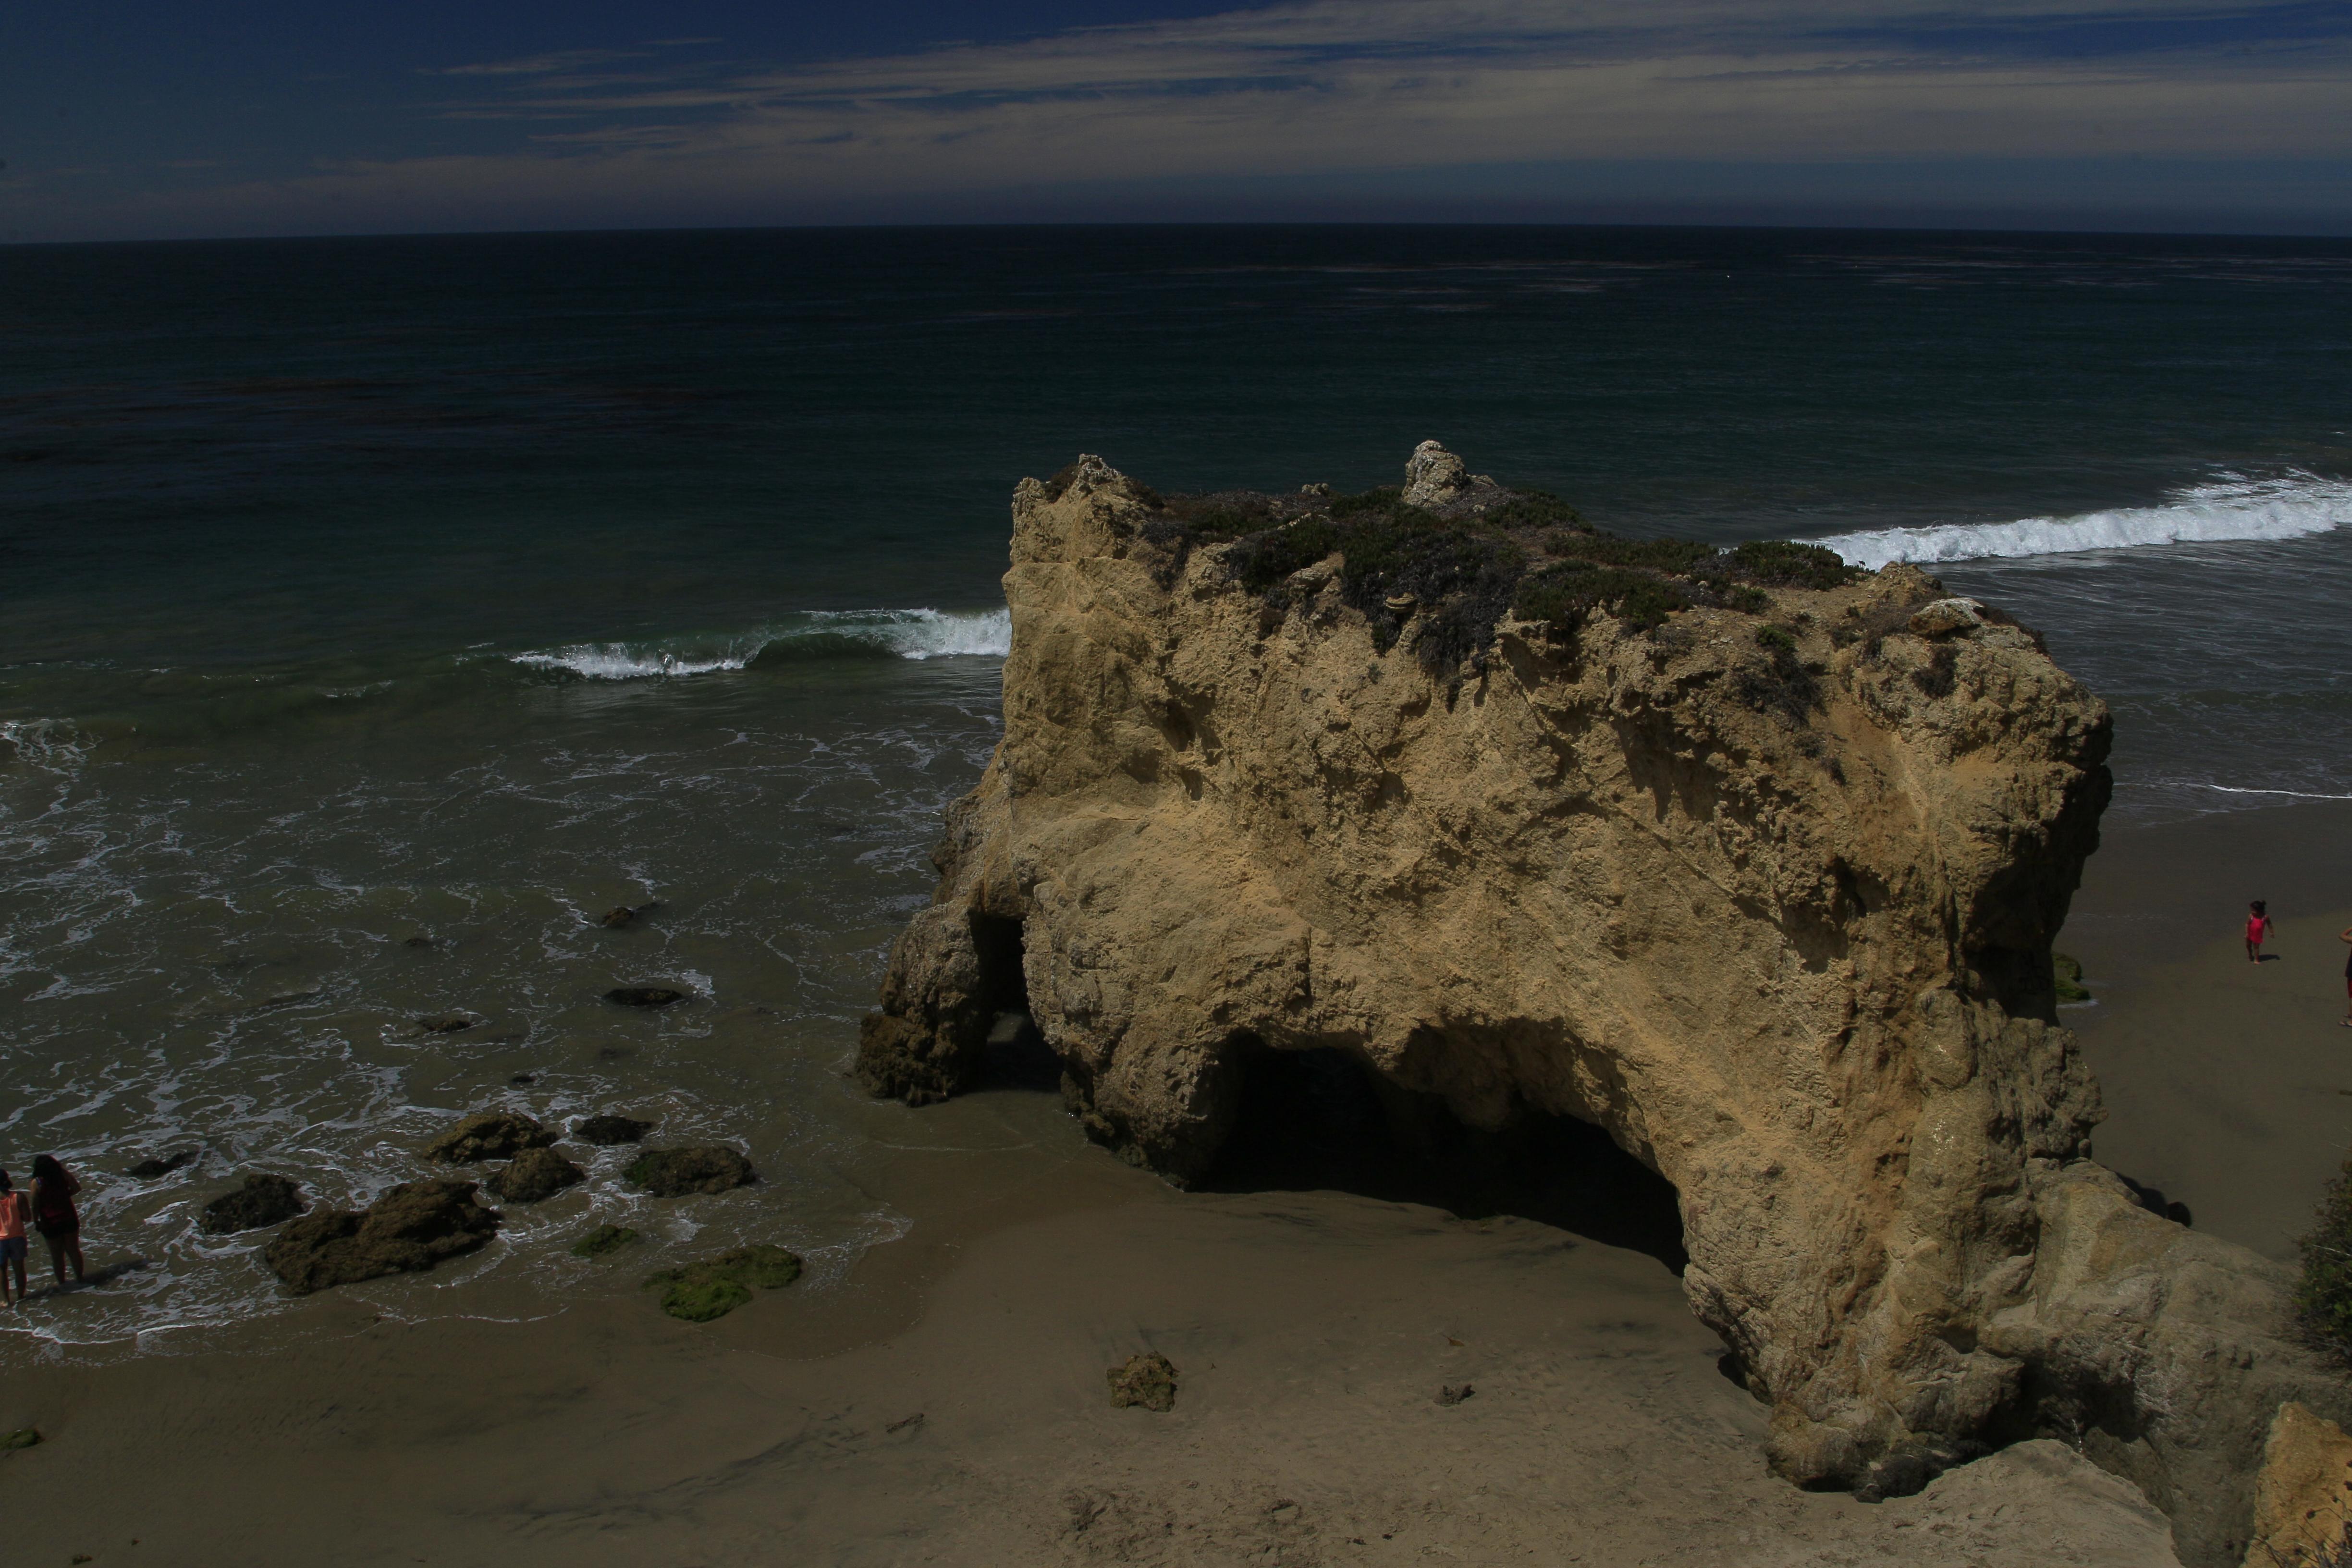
(2068, 972)
(1148, 1380)
(534, 1174)
(603, 1241)
(22, 1437)
(699, 1300)
(715, 1287)
(607, 1129)
(489, 1135)
(263, 1200)
(676, 1173)
(409, 1229)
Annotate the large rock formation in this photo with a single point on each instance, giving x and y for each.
(1760, 878)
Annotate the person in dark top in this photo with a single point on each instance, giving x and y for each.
(55, 1217)
(2347, 980)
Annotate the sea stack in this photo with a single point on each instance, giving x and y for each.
(1750, 860)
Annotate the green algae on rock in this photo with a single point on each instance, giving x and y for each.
(603, 1241)
(698, 1292)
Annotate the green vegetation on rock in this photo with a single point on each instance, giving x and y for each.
(715, 1287)
(2069, 972)
(603, 1241)
(1451, 577)
(2324, 1294)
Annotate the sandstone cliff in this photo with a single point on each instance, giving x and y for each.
(1754, 865)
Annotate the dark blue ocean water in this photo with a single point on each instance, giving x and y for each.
(355, 591)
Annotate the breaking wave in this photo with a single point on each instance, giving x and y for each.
(2233, 507)
(908, 634)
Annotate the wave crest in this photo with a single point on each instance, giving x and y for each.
(2233, 507)
(908, 634)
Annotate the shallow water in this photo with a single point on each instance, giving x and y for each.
(365, 592)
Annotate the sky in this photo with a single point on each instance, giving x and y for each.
(154, 120)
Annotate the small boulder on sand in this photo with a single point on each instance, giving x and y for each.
(263, 1200)
(1148, 1380)
(491, 1135)
(534, 1174)
(409, 1229)
(676, 1173)
(605, 1131)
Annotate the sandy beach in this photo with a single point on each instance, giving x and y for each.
(945, 1401)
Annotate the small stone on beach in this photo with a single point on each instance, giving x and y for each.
(1148, 1380)
(1452, 1394)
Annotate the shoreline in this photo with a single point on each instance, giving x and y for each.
(944, 1401)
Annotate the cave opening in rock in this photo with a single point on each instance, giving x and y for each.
(1016, 1056)
(1323, 1119)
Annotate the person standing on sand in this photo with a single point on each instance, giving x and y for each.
(2258, 928)
(13, 1214)
(2347, 980)
(54, 1214)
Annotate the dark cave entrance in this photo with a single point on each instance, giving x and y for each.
(1015, 1056)
(1324, 1120)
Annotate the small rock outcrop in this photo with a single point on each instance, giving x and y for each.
(263, 1200)
(716, 1286)
(148, 1169)
(605, 1131)
(534, 1176)
(409, 1230)
(2303, 1498)
(679, 1172)
(603, 1241)
(644, 995)
(489, 1135)
(1146, 1382)
(1751, 859)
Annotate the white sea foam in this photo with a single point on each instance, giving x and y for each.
(909, 634)
(2233, 507)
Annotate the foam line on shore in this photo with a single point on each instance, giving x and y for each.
(2231, 507)
(917, 634)
(2297, 794)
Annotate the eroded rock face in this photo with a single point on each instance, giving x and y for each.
(1769, 896)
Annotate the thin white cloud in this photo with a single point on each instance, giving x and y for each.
(1352, 86)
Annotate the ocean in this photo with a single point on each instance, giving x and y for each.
(377, 613)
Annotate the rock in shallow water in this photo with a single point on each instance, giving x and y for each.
(603, 1241)
(644, 995)
(1148, 1380)
(148, 1169)
(534, 1174)
(491, 1135)
(409, 1229)
(676, 1173)
(606, 1131)
(263, 1200)
(698, 1292)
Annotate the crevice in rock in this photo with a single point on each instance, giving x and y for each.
(1324, 1120)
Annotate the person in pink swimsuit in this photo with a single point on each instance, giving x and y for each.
(16, 1211)
(2257, 929)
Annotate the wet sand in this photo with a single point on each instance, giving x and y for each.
(945, 1402)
